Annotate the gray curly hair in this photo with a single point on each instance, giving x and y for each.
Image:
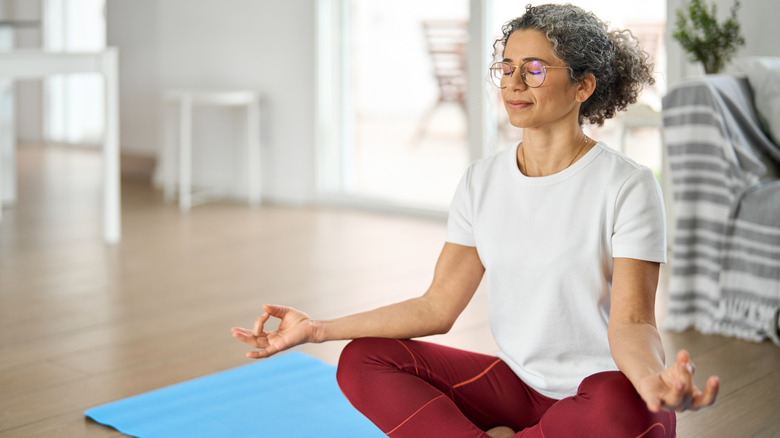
(586, 45)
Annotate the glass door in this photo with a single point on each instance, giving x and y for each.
(403, 133)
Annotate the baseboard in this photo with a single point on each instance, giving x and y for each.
(137, 167)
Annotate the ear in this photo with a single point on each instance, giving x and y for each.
(586, 87)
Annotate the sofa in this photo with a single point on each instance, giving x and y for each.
(720, 134)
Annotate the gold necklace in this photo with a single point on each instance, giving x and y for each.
(587, 140)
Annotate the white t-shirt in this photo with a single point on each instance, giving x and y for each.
(548, 245)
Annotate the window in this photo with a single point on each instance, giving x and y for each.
(74, 25)
(400, 129)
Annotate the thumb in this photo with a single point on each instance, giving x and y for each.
(653, 405)
(650, 391)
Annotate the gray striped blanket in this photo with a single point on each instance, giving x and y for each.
(726, 250)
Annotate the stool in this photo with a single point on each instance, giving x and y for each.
(185, 100)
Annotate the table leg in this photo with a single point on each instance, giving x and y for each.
(185, 153)
(253, 147)
(112, 210)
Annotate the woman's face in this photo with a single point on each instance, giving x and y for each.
(554, 102)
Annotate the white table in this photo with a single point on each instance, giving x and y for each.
(185, 100)
(38, 64)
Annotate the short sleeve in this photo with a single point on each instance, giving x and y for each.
(640, 219)
(460, 220)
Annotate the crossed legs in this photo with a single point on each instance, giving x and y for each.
(418, 389)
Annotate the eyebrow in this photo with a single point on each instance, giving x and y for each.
(507, 60)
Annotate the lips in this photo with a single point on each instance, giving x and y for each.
(517, 104)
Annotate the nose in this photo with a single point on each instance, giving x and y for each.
(516, 81)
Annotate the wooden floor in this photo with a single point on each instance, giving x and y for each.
(82, 324)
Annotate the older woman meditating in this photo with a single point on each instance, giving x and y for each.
(570, 235)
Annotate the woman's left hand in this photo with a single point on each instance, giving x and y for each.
(673, 388)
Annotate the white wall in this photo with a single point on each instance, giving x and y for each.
(221, 44)
(759, 27)
(133, 26)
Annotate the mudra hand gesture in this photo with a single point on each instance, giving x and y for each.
(295, 328)
(673, 389)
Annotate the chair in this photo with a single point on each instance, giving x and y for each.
(446, 41)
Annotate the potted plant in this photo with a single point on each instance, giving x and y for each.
(706, 40)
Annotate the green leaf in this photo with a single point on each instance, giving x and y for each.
(706, 40)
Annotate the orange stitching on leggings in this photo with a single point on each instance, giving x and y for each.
(415, 413)
(478, 375)
(638, 436)
(411, 354)
(651, 428)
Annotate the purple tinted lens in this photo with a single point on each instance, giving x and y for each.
(534, 73)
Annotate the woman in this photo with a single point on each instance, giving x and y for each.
(570, 235)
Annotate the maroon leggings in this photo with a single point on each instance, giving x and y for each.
(418, 389)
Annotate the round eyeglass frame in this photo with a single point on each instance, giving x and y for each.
(497, 74)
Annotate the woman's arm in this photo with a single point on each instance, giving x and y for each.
(456, 277)
(636, 344)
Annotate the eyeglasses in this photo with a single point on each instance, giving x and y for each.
(532, 73)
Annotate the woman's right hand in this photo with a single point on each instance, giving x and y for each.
(295, 328)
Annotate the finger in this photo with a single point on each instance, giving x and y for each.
(709, 395)
(690, 367)
(242, 334)
(258, 354)
(673, 398)
(684, 359)
(683, 356)
(684, 370)
(248, 337)
(240, 330)
(260, 323)
(262, 354)
(687, 389)
(675, 377)
(679, 386)
(275, 310)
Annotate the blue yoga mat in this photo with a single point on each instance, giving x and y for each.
(291, 395)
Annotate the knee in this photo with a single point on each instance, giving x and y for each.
(615, 397)
(612, 390)
(351, 357)
(354, 361)
(357, 352)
